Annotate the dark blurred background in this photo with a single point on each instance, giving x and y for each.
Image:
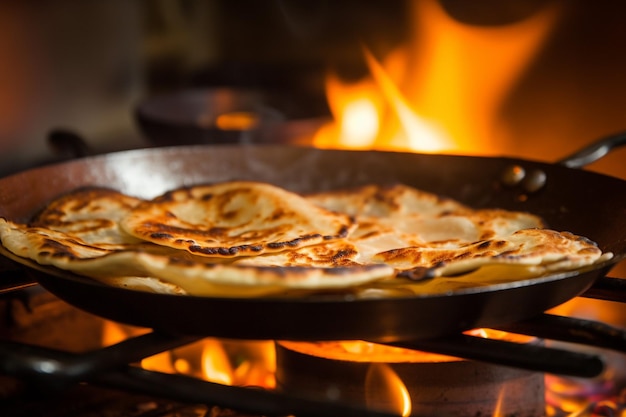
(83, 66)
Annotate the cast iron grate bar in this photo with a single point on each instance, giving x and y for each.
(15, 278)
(535, 357)
(47, 368)
(573, 330)
(31, 363)
(252, 400)
(116, 373)
(607, 289)
(51, 369)
(527, 356)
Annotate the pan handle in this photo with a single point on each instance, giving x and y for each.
(595, 151)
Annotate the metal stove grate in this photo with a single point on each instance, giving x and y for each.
(47, 372)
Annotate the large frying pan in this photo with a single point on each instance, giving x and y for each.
(575, 200)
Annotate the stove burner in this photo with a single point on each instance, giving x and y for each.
(46, 370)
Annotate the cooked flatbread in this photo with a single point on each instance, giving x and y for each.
(529, 247)
(80, 232)
(414, 230)
(146, 284)
(205, 279)
(87, 221)
(232, 219)
(339, 253)
(416, 216)
(245, 239)
(37, 243)
(385, 201)
(180, 271)
(92, 214)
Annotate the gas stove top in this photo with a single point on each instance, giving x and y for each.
(83, 379)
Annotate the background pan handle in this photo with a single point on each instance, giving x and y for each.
(595, 151)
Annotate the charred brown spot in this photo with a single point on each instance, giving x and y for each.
(341, 254)
(57, 250)
(49, 243)
(228, 251)
(484, 245)
(385, 195)
(161, 236)
(295, 242)
(463, 255)
(184, 241)
(343, 232)
(231, 214)
(441, 260)
(164, 198)
(510, 255)
(277, 214)
(217, 231)
(491, 244)
(213, 251)
(225, 251)
(181, 262)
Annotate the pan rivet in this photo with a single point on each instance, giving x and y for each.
(534, 181)
(512, 175)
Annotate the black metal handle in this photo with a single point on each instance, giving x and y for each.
(595, 151)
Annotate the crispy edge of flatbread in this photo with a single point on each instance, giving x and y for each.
(279, 230)
(546, 248)
(91, 213)
(192, 276)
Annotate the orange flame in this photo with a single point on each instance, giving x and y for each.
(215, 363)
(418, 133)
(440, 92)
(240, 362)
(356, 109)
(385, 390)
(499, 404)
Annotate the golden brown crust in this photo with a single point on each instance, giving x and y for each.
(192, 275)
(248, 239)
(234, 219)
(91, 213)
(386, 201)
(544, 247)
